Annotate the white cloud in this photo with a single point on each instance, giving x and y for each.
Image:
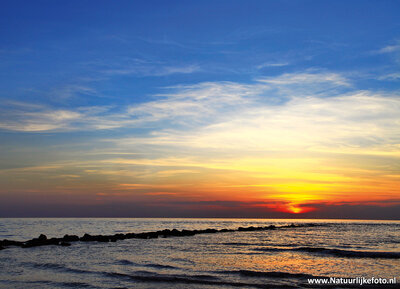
(38, 120)
(359, 120)
(391, 77)
(167, 70)
(72, 90)
(153, 70)
(287, 111)
(272, 64)
(390, 49)
(307, 78)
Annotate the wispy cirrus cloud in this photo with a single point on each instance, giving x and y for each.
(354, 120)
(72, 90)
(153, 70)
(392, 50)
(389, 49)
(272, 64)
(294, 99)
(308, 78)
(38, 120)
(391, 76)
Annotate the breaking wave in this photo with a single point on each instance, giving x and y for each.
(337, 252)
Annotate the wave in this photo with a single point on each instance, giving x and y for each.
(144, 276)
(59, 267)
(159, 266)
(151, 265)
(237, 244)
(183, 260)
(51, 283)
(338, 252)
(126, 262)
(152, 277)
(257, 244)
(190, 279)
(74, 284)
(269, 274)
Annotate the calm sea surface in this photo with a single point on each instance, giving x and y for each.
(284, 257)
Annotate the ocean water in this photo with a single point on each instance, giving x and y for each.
(281, 258)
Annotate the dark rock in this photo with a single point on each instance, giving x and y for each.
(65, 244)
(152, 235)
(175, 232)
(100, 238)
(42, 237)
(87, 238)
(250, 229)
(2, 248)
(52, 241)
(41, 241)
(210, 231)
(11, 243)
(141, 236)
(31, 243)
(163, 233)
(70, 238)
(226, 230)
(130, 235)
(188, 233)
(119, 237)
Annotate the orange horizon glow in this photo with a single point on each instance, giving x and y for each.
(297, 157)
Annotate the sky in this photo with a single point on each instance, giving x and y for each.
(257, 109)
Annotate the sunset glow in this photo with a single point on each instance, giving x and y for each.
(184, 119)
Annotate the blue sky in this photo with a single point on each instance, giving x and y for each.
(105, 52)
(89, 86)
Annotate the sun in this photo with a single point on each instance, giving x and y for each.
(294, 209)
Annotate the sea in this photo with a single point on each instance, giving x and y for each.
(337, 251)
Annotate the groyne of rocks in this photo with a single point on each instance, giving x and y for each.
(42, 240)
